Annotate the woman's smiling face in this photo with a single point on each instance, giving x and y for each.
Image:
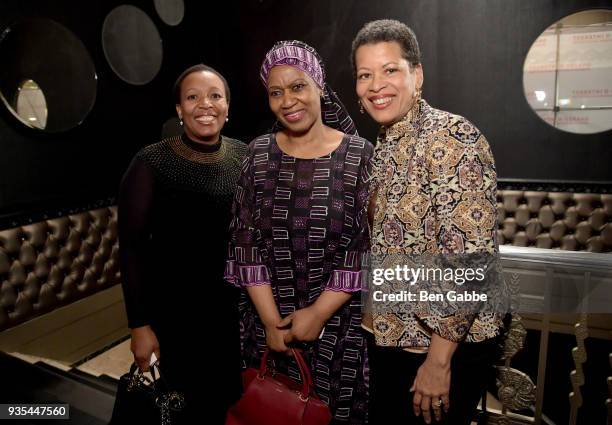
(386, 83)
(203, 106)
(294, 98)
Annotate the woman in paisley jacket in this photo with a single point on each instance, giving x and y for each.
(433, 193)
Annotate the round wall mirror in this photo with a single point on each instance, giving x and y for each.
(567, 75)
(47, 78)
(132, 44)
(170, 11)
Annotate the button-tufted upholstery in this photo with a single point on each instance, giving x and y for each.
(52, 263)
(49, 264)
(559, 220)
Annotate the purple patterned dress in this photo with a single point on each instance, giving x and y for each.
(301, 225)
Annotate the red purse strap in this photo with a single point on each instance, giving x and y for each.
(304, 371)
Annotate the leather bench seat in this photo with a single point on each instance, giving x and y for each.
(52, 263)
(49, 264)
(558, 220)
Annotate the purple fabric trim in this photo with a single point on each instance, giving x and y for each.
(345, 281)
(242, 276)
(229, 274)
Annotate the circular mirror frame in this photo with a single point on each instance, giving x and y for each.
(171, 12)
(555, 83)
(32, 59)
(132, 45)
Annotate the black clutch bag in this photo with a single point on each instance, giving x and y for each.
(141, 400)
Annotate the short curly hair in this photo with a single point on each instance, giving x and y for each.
(388, 30)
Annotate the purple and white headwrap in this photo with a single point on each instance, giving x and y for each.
(302, 56)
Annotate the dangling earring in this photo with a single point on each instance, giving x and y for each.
(418, 94)
(226, 119)
(360, 106)
(181, 121)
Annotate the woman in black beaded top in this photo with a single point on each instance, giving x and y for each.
(174, 215)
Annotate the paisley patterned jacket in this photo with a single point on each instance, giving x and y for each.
(434, 187)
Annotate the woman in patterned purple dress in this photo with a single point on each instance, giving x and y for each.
(300, 230)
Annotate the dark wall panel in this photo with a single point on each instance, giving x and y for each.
(39, 170)
(473, 53)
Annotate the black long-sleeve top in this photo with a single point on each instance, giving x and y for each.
(174, 215)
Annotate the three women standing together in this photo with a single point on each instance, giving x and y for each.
(300, 233)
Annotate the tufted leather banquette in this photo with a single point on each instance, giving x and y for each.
(49, 264)
(52, 263)
(561, 220)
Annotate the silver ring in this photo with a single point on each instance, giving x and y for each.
(438, 403)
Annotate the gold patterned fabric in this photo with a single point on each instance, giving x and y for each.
(434, 187)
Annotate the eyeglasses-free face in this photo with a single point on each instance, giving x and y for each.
(294, 98)
(386, 83)
(203, 106)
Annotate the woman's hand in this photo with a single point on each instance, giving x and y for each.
(262, 297)
(304, 325)
(275, 339)
(432, 383)
(144, 343)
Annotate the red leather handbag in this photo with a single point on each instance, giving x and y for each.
(271, 398)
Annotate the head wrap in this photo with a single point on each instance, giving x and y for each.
(300, 55)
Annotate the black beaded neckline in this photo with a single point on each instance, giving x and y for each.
(198, 152)
(201, 147)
